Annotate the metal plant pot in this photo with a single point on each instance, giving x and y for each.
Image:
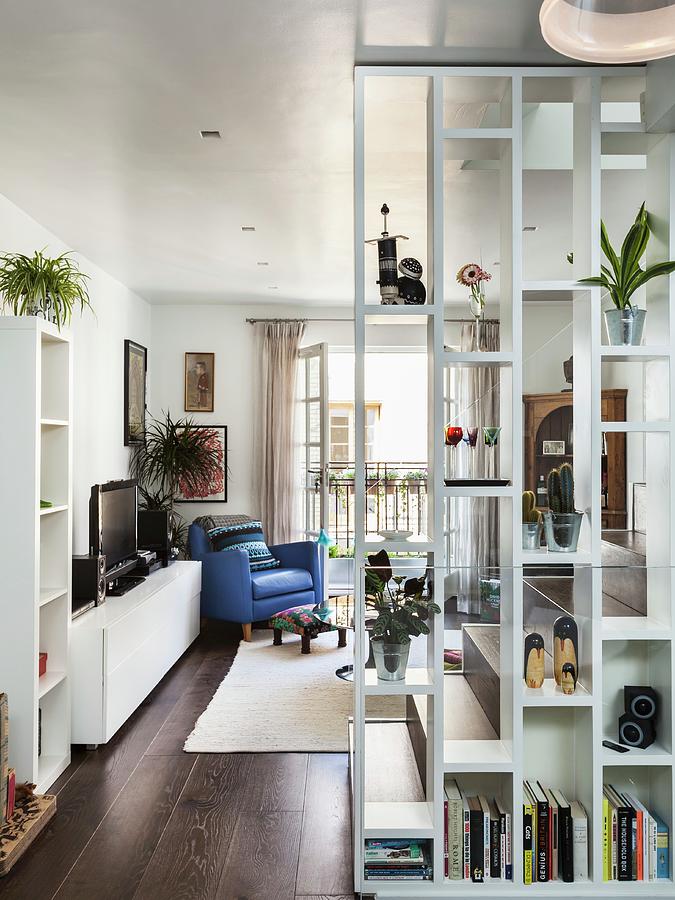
(391, 660)
(532, 535)
(624, 326)
(562, 531)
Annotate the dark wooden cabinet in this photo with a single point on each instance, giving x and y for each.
(548, 417)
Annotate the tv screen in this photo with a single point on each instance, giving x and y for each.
(114, 517)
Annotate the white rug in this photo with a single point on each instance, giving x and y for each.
(274, 699)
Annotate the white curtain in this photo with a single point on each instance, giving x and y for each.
(278, 345)
(478, 532)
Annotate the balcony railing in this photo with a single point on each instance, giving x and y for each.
(396, 499)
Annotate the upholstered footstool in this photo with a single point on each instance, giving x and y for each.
(307, 621)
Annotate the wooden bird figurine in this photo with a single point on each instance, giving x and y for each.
(534, 660)
(565, 646)
(568, 681)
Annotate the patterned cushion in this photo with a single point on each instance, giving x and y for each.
(311, 620)
(246, 536)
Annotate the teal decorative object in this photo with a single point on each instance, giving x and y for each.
(491, 435)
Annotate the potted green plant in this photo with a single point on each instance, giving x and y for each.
(532, 524)
(623, 277)
(562, 522)
(402, 612)
(177, 455)
(41, 285)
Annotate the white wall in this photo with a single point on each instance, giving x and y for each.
(98, 442)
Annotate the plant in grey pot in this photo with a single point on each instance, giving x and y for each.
(532, 524)
(176, 452)
(562, 523)
(402, 613)
(40, 285)
(623, 277)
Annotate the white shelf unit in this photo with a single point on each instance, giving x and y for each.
(35, 604)
(544, 734)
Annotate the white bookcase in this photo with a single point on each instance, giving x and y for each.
(544, 735)
(35, 603)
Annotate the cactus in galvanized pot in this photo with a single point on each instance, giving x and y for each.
(562, 522)
(530, 511)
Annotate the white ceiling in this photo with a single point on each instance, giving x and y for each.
(101, 104)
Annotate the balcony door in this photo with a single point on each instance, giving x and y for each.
(313, 441)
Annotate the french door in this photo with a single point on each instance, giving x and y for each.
(313, 443)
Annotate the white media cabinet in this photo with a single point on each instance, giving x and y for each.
(120, 651)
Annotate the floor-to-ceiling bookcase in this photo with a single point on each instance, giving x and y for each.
(36, 540)
(543, 734)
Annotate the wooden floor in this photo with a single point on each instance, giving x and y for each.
(140, 819)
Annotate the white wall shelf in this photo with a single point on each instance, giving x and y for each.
(542, 734)
(36, 358)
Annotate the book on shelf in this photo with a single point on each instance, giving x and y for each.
(454, 831)
(542, 834)
(476, 840)
(505, 833)
(495, 841)
(565, 870)
(579, 841)
(528, 839)
(662, 848)
(485, 808)
(4, 755)
(467, 837)
(397, 860)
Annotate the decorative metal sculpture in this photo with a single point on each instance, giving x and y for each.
(386, 254)
(565, 648)
(533, 670)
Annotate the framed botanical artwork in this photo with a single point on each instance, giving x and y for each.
(215, 489)
(199, 371)
(553, 448)
(135, 372)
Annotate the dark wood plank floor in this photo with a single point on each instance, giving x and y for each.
(140, 819)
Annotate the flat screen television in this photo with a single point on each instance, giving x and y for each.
(113, 518)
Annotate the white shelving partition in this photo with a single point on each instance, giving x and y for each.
(535, 728)
(35, 603)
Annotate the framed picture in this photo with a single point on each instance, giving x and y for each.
(199, 370)
(135, 371)
(214, 491)
(553, 448)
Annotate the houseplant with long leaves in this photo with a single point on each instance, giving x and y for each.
(403, 611)
(177, 456)
(623, 276)
(52, 287)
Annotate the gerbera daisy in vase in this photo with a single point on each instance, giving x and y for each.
(473, 276)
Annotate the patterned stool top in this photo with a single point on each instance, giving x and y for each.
(304, 620)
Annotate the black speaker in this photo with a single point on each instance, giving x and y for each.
(637, 726)
(635, 732)
(154, 533)
(88, 583)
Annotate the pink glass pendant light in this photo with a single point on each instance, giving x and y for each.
(609, 31)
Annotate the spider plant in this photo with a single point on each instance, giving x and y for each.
(53, 286)
(625, 275)
(178, 455)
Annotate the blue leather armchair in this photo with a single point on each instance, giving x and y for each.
(230, 591)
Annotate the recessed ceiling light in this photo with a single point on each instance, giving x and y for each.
(262, 264)
(248, 227)
(530, 227)
(207, 134)
(273, 287)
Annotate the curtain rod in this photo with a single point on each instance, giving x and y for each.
(456, 321)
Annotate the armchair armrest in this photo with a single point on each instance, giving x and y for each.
(226, 586)
(302, 555)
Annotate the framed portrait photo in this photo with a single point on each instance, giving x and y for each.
(199, 372)
(553, 448)
(215, 489)
(135, 373)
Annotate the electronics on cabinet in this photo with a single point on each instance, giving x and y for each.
(637, 725)
(154, 533)
(88, 583)
(113, 514)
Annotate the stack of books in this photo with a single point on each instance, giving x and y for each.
(398, 860)
(477, 843)
(634, 840)
(555, 836)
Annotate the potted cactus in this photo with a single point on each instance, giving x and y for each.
(532, 524)
(562, 522)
